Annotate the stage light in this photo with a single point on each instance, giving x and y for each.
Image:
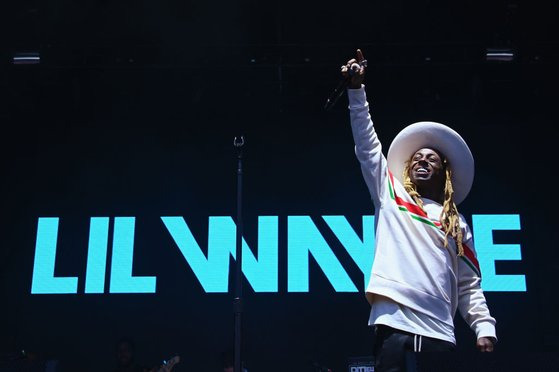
(499, 54)
(29, 58)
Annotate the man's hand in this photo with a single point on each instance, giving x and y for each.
(359, 71)
(485, 344)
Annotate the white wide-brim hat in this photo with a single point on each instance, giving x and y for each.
(441, 138)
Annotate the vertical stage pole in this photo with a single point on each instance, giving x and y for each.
(237, 302)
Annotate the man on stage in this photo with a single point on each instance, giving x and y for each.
(425, 265)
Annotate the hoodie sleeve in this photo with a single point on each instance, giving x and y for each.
(471, 300)
(367, 145)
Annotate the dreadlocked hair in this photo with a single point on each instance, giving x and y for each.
(410, 186)
(449, 218)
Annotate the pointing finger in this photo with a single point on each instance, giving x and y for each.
(360, 57)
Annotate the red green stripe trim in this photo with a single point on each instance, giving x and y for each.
(470, 259)
(406, 206)
(419, 214)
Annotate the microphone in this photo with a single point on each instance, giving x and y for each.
(340, 89)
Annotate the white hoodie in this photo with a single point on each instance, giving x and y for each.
(411, 265)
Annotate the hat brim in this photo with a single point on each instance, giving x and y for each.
(428, 134)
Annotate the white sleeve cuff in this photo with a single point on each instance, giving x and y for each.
(486, 329)
(357, 97)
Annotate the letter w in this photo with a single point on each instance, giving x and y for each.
(213, 271)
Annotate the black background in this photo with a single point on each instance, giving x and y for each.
(132, 112)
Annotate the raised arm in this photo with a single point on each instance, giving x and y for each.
(367, 145)
(471, 300)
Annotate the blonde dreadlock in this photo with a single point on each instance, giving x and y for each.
(410, 186)
(449, 217)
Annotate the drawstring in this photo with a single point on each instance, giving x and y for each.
(416, 344)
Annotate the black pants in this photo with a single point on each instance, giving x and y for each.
(393, 348)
